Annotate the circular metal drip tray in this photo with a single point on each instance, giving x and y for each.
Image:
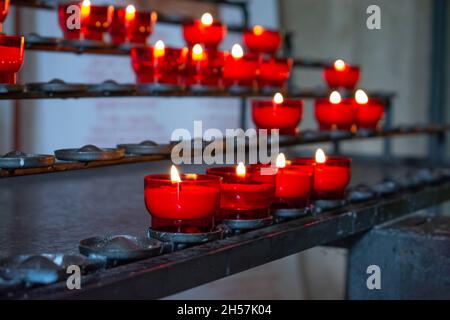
(121, 247)
(34, 38)
(89, 153)
(237, 89)
(158, 88)
(81, 44)
(386, 187)
(325, 204)
(361, 193)
(291, 213)
(204, 89)
(146, 147)
(11, 88)
(18, 159)
(45, 268)
(244, 224)
(186, 238)
(110, 86)
(56, 86)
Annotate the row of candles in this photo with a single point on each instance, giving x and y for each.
(192, 203)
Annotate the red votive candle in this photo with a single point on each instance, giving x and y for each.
(293, 183)
(4, 9)
(279, 113)
(159, 64)
(95, 20)
(368, 111)
(240, 69)
(117, 29)
(335, 112)
(261, 40)
(65, 13)
(11, 57)
(274, 72)
(187, 204)
(205, 31)
(242, 196)
(331, 175)
(340, 74)
(205, 67)
(139, 24)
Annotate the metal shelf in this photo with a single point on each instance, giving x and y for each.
(307, 138)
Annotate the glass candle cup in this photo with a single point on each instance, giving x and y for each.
(261, 40)
(95, 21)
(4, 9)
(285, 116)
(11, 57)
(140, 25)
(65, 12)
(331, 178)
(347, 77)
(188, 206)
(208, 35)
(331, 116)
(369, 114)
(293, 184)
(165, 65)
(117, 29)
(206, 68)
(274, 72)
(241, 71)
(243, 197)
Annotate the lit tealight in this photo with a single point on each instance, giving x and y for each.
(281, 161)
(335, 97)
(174, 175)
(237, 52)
(339, 65)
(278, 98)
(207, 19)
(159, 49)
(320, 156)
(240, 170)
(258, 30)
(361, 97)
(85, 8)
(197, 52)
(130, 12)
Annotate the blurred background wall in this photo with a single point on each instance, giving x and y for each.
(395, 58)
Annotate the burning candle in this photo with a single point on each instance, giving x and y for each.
(4, 9)
(182, 203)
(331, 175)
(240, 69)
(11, 57)
(293, 183)
(139, 24)
(340, 74)
(95, 20)
(242, 196)
(335, 112)
(65, 13)
(159, 64)
(261, 40)
(368, 111)
(205, 31)
(205, 67)
(274, 73)
(279, 113)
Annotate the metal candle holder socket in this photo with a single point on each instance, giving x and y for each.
(89, 153)
(18, 159)
(146, 147)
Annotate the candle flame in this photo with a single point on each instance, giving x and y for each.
(258, 30)
(361, 97)
(335, 97)
(207, 19)
(320, 156)
(197, 52)
(340, 65)
(281, 161)
(159, 49)
(236, 51)
(240, 170)
(278, 98)
(85, 8)
(130, 12)
(174, 175)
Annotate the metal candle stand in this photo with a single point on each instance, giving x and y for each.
(89, 153)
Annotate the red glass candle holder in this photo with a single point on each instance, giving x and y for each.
(117, 29)
(293, 184)
(205, 69)
(284, 116)
(166, 67)
(261, 40)
(4, 9)
(11, 57)
(332, 116)
(188, 206)
(274, 72)
(208, 35)
(330, 178)
(63, 16)
(243, 198)
(346, 77)
(95, 20)
(140, 25)
(240, 71)
(369, 114)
